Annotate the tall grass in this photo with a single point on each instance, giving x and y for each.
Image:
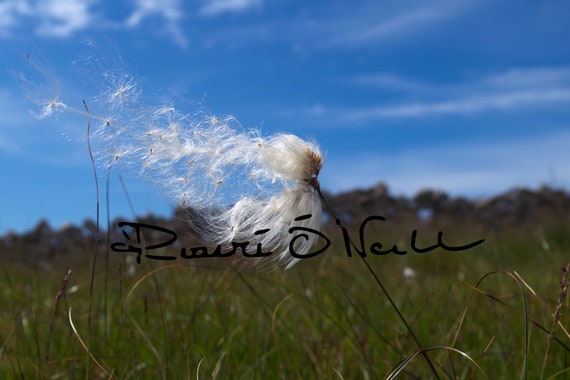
(496, 311)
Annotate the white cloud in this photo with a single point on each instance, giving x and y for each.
(217, 7)
(327, 25)
(62, 18)
(11, 11)
(169, 10)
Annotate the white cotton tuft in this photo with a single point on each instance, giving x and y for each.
(234, 182)
(292, 165)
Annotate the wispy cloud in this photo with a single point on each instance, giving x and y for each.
(62, 18)
(330, 26)
(11, 13)
(510, 90)
(318, 26)
(469, 105)
(217, 7)
(367, 23)
(389, 81)
(537, 77)
(169, 10)
(508, 80)
(65, 18)
(377, 27)
(54, 18)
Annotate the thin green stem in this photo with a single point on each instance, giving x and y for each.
(382, 288)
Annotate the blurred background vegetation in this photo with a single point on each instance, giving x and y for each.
(498, 309)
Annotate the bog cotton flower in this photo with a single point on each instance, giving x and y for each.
(234, 181)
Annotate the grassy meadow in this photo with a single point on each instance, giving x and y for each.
(486, 312)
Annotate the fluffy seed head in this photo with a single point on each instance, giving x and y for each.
(235, 182)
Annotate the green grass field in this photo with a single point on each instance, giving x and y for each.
(482, 313)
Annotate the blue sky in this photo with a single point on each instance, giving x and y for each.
(470, 97)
